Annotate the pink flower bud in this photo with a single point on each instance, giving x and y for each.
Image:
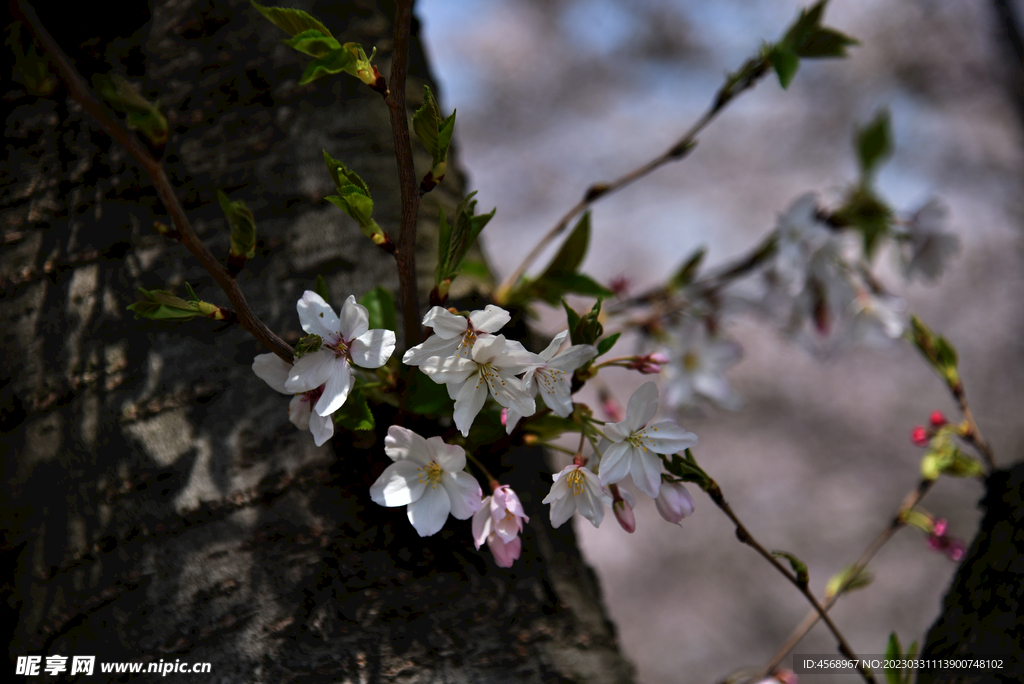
(674, 503)
(504, 416)
(657, 358)
(622, 505)
(939, 527)
(505, 553)
(955, 550)
(937, 419)
(919, 436)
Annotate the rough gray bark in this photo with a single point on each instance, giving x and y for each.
(158, 503)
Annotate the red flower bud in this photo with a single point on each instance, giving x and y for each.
(937, 419)
(919, 436)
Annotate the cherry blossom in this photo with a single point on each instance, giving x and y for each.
(455, 335)
(427, 476)
(492, 368)
(274, 371)
(576, 488)
(674, 503)
(699, 362)
(632, 447)
(499, 522)
(928, 248)
(346, 341)
(553, 378)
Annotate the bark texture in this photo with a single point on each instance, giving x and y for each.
(159, 505)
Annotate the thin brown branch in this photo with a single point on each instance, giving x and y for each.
(405, 255)
(811, 619)
(678, 151)
(185, 234)
(745, 537)
(973, 434)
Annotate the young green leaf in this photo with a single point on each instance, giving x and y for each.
(242, 224)
(456, 239)
(291, 21)
(607, 343)
(874, 144)
(355, 413)
(313, 43)
(785, 62)
(191, 293)
(799, 567)
(142, 115)
(320, 287)
(688, 271)
(381, 308)
(334, 62)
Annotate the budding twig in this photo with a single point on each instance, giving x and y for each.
(405, 254)
(154, 169)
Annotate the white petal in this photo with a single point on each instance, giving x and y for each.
(491, 319)
(668, 438)
(488, 349)
(558, 397)
(481, 524)
(590, 505)
(562, 509)
(448, 369)
(552, 349)
(428, 513)
(434, 346)
(355, 319)
(398, 485)
(463, 494)
(322, 428)
(512, 418)
(615, 461)
(311, 371)
(617, 432)
(446, 325)
(646, 471)
(373, 348)
(336, 391)
(573, 357)
(299, 411)
(451, 457)
(468, 404)
(273, 370)
(508, 391)
(402, 444)
(642, 406)
(560, 486)
(317, 317)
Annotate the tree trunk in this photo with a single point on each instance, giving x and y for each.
(160, 506)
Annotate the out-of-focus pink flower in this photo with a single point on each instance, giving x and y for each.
(619, 286)
(939, 541)
(650, 364)
(919, 436)
(499, 522)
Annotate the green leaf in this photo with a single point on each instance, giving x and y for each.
(549, 427)
(456, 239)
(242, 224)
(686, 273)
(893, 652)
(686, 469)
(785, 62)
(191, 293)
(307, 345)
(313, 43)
(939, 352)
(861, 580)
(551, 288)
(867, 213)
(607, 343)
(874, 144)
(162, 305)
(355, 413)
(444, 239)
(334, 62)
(142, 115)
(320, 287)
(426, 121)
(573, 319)
(826, 43)
(291, 21)
(799, 567)
(570, 255)
(381, 308)
(584, 329)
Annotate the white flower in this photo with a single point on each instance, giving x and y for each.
(577, 489)
(492, 368)
(455, 335)
(346, 340)
(699, 362)
(877, 319)
(929, 247)
(427, 476)
(800, 237)
(674, 503)
(631, 446)
(553, 379)
(274, 371)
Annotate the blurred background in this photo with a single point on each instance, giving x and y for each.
(553, 95)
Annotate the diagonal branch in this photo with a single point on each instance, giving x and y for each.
(154, 169)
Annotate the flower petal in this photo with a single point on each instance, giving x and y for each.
(355, 319)
(451, 457)
(573, 357)
(668, 438)
(434, 346)
(322, 428)
(491, 319)
(617, 432)
(448, 369)
(463, 494)
(299, 411)
(505, 553)
(336, 391)
(398, 485)
(512, 418)
(488, 349)
(446, 325)
(468, 404)
(508, 391)
(373, 348)
(562, 509)
(615, 460)
(317, 317)
(311, 371)
(590, 505)
(273, 370)
(481, 524)
(552, 349)
(646, 471)
(402, 444)
(557, 394)
(428, 513)
(642, 406)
